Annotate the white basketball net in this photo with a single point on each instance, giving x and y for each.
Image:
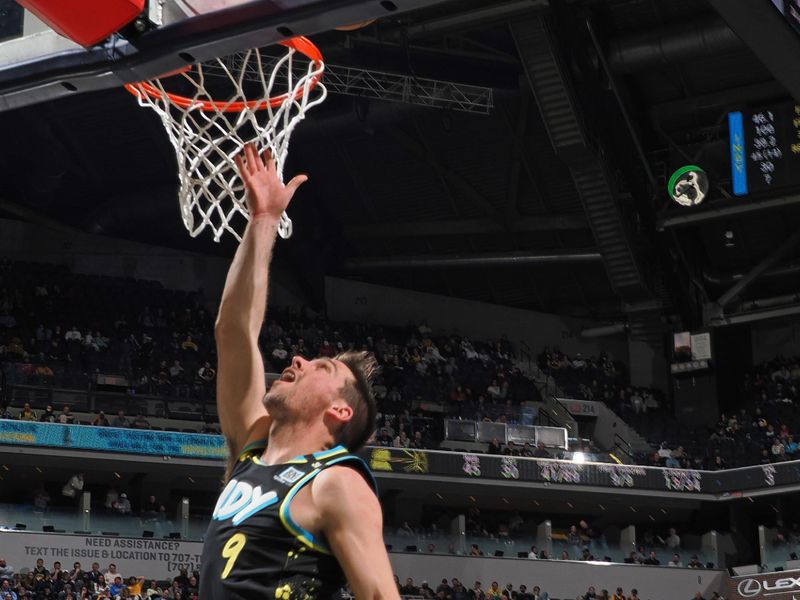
(206, 138)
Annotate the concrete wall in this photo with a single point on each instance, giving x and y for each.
(100, 255)
(357, 301)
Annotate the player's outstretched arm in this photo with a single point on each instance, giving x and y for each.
(352, 523)
(240, 378)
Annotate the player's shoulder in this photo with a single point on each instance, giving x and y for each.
(345, 479)
(341, 488)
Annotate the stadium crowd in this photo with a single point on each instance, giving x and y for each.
(77, 583)
(161, 341)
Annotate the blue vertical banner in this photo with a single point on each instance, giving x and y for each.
(738, 165)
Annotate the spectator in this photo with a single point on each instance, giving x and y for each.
(6, 591)
(48, 416)
(541, 451)
(189, 345)
(135, 585)
(634, 594)
(206, 373)
(176, 372)
(652, 559)
(418, 442)
(112, 574)
(476, 592)
(694, 563)
(573, 537)
(664, 452)
(27, 413)
(618, 595)
(140, 422)
(40, 572)
(632, 559)
(77, 575)
(409, 589)
(401, 441)
(675, 561)
(66, 417)
(493, 593)
(444, 587)
(117, 587)
(73, 486)
(153, 590)
(120, 420)
(101, 420)
(534, 553)
(673, 541)
(425, 591)
(123, 505)
(538, 594)
(6, 570)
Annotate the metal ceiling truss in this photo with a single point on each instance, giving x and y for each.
(376, 85)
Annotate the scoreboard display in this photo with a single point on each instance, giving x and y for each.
(765, 148)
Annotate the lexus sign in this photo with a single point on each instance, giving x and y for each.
(783, 585)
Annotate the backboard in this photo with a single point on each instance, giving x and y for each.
(37, 64)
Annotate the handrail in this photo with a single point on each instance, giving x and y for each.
(625, 447)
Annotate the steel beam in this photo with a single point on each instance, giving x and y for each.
(756, 315)
(451, 261)
(742, 207)
(754, 273)
(466, 227)
(472, 18)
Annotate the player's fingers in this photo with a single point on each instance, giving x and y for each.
(239, 164)
(252, 158)
(267, 156)
(295, 183)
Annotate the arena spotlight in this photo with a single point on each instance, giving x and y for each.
(578, 457)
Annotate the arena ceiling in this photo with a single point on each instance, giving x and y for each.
(554, 201)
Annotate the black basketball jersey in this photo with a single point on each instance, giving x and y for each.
(254, 549)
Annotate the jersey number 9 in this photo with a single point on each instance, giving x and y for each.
(231, 551)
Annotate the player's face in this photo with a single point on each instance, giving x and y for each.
(307, 389)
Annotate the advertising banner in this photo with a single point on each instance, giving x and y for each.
(782, 585)
(150, 558)
(112, 439)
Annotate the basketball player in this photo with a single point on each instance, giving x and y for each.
(298, 514)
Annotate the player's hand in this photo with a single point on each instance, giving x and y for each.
(266, 194)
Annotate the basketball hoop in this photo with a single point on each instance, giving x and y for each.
(269, 99)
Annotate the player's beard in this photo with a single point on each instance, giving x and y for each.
(275, 401)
